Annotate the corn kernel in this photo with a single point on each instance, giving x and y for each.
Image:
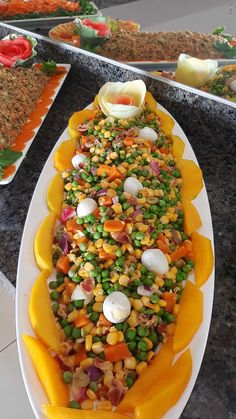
(114, 278)
(105, 405)
(72, 316)
(107, 134)
(145, 300)
(138, 253)
(162, 303)
(97, 347)
(130, 248)
(141, 367)
(120, 375)
(117, 208)
(88, 266)
(68, 186)
(150, 355)
(164, 219)
(91, 395)
(88, 327)
(124, 280)
(149, 343)
(159, 281)
(87, 405)
(108, 248)
(137, 304)
(117, 366)
(99, 331)
(97, 307)
(113, 155)
(170, 275)
(129, 211)
(98, 243)
(130, 363)
(111, 193)
(107, 379)
(112, 338)
(88, 343)
(86, 363)
(120, 336)
(176, 309)
(132, 320)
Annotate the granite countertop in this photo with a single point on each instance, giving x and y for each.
(212, 136)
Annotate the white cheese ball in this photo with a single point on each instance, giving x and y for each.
(148, 133)
(79, 294)
(86, 206)
(77, 159)
(116, 307)
(132, 186)
(155, 261)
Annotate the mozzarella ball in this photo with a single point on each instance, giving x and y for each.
(155, 261)
(116, 307)
(132, 185)
(148, 133)
(77, 159)
(86, 206)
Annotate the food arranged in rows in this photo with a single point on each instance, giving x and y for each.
(127, 43)
(35, 9)
(26, 92)
(118, 305)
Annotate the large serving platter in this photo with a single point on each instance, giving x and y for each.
(17, 164)
(28, 272)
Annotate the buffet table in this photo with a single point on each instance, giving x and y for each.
(210, 127)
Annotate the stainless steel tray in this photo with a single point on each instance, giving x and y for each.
(168, 65)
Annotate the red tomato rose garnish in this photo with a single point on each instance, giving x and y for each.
(12, 50)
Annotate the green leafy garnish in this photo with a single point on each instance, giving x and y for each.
(227, 50)
(219, 30)
(8, 157)
(49, 67)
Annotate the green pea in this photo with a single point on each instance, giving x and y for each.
(122, 199)
(141, 356)
(142, 331)
(100, 226)
(169, 318)
(153, 208)
(153, 336)
(119, 326)
(142, 345)
(93, 386)
(96, 235)
(105, 286)
(132, 345)
(89, 308)
(140, 236)
(65, 323)
(70, 307)
(68, 330)
(130, 381)
(130, 334)
(76, 279)
(90, 256)
(118, 253)
(148, 281)
(54, 295)
(94, 317)
(154, 298)
(60, 278)
(83, 247)
(137, 243)
(105, 233)
(53, 285)
(67, 377)
(74, 404)
(96, 339)
(76, 333)
(143, 269)
(78, 303)
(126, 205)
(105, 273)
(55, 308)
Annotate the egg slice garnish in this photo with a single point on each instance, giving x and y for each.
(79, 294)
(148, 133)
(132, 185)
(86, 206)
(77, 159)
(155, 261)
(116, 307)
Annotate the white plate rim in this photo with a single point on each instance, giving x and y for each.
(27, 268)
(10, 178)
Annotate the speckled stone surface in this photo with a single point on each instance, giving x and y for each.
(211, 129)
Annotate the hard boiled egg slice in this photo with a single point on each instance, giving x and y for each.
(148, 133)
(116, 307)
(79, 294)
(132, 185)
(155, 261)
(86, 206)
(77, 159)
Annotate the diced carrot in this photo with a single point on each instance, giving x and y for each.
(96, 213)
(115, 174)
(164, 150)
(83, 239)
(171, 299)
(103, 321)
(115, 353)
(129, 141)
(80, 355)
(150, 117)
(163, 247)
(63, 264)
(105, 200)
(81, 320)
(106, 256)
(161, 237)
(188, 246)
(103, 169)
(178, 254)
(124, 100)
(114, 225)
(70, 286)
(72, 226)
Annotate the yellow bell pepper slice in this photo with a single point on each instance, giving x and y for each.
(178, 147)
(54, 412)
(192, 219)
(189, 317)
(192, 178)
(48, 372)
(151, 374)
(64, 154)
(76, 119)
(203, 258)
(167, 122)
(167, 390)
(55, 194)
(43, 243)
(41, 315)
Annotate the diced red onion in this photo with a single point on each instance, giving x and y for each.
(88, 144)
(82, 127)
(155, 167)
(93, 170)
(132, 200)
(162, 328)
(94, 373)
(120, 237)
(136, 213)
(151, 229)
(115, 200)
(141, 290)
(81, 395)
(88, 285)
(63, 243)
(101, 192)
(67, 213)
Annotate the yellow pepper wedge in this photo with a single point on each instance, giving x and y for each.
(167, 122)
(41, 315)
(167, 390)
(192, 182)
(48, 372)
(55, 194)
(64, 154)
(151, 374)
(203, 258)
(178, 147)
(189, 317)
(192, 219)
(76, 119)
(43, 243)
(55, 412)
